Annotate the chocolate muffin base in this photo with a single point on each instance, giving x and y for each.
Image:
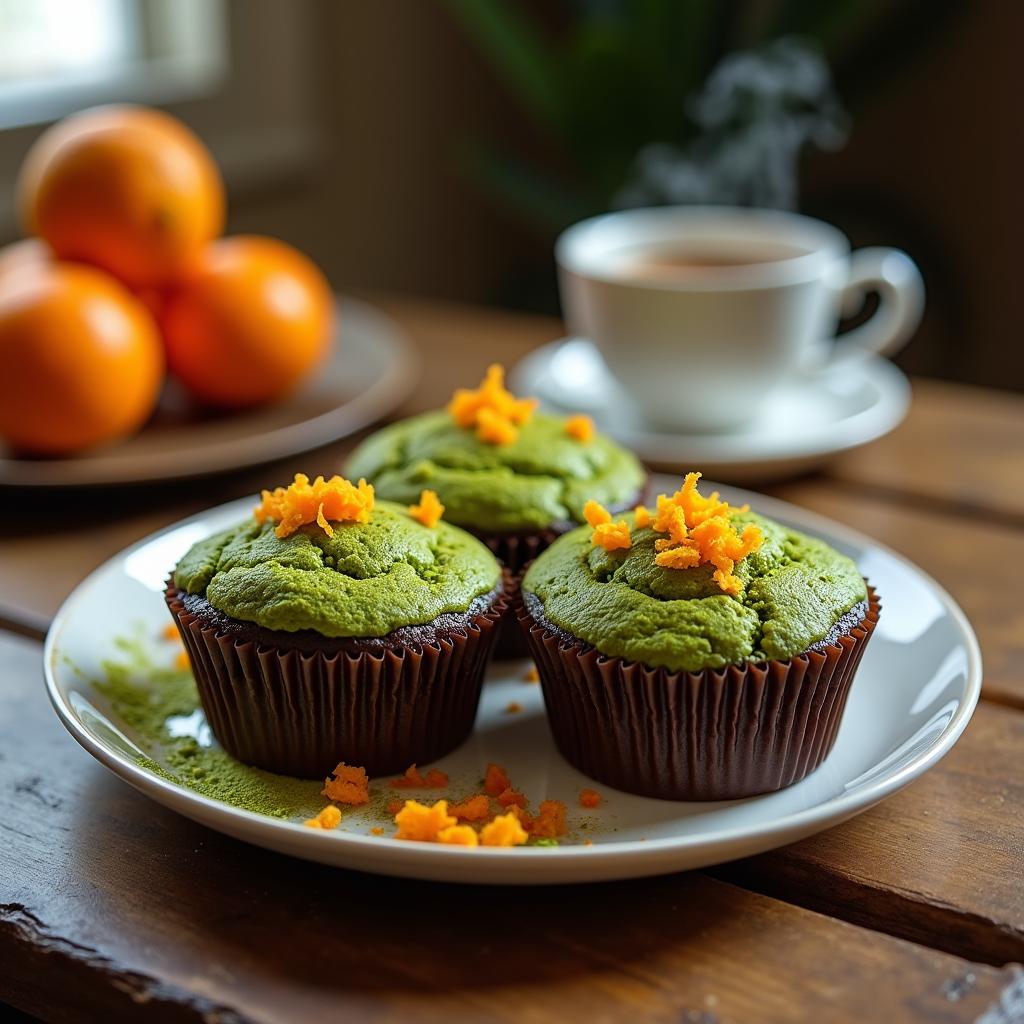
(713, 735)
(298, 703)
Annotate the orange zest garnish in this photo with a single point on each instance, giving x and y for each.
(492, 410)
(321, 502)
(496, 818)
(429, 510)
(458, 835)
(505, 830)
(580, 428)
(412, 779)
(522, 816)
(329, 817)
(608, 535)
(641, 517)
(170, 632)
(181, 661)
(511, 796)
(376, 831)
(550, 820)
(496, 780)
(493, 428)
(348, 786)
(699, 531)
(473, 808)
(420, 823)
(590, 798)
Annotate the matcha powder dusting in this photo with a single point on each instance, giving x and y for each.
(159, 708)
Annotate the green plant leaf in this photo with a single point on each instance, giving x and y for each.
(545, 202)
(523, 58)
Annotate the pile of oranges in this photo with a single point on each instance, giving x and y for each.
(126, 276)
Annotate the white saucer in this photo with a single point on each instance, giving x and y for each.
(914, 694)
(372, 369)
(811, 419)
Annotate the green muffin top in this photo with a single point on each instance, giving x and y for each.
(496, 464)
(325, 556)
(695, 585)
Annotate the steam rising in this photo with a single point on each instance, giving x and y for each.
(756, 113)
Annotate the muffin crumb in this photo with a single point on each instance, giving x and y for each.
(590, 798)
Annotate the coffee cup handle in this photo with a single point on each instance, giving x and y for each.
(894, 275)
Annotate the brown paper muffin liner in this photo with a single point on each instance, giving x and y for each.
(515, 551)
(298, 709)
(711, 735)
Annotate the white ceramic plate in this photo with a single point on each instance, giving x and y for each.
(372, 369)
(914, 694)
(811, 419)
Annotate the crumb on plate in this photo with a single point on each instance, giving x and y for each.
(348, 786)
(412, 779)
(328, 818)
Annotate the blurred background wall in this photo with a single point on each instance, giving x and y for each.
(347, 129)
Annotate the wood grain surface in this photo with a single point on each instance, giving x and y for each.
(939, 862)
(142, 915)
(112, 908)
(959, 446)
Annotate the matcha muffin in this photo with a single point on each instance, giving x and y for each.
(514, 477)
(332, 627)
(695, 652)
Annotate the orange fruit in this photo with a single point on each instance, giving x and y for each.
(29, 252)
(251, 319)
(81, 359)
(129, 189)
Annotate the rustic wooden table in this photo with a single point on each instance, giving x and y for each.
(112, 908)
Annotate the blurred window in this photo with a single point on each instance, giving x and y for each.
(61, 55)
(241, 73)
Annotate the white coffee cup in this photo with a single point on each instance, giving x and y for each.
(700, 312)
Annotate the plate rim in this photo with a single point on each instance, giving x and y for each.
(395, 383)
(645, 856)
(725, 450)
